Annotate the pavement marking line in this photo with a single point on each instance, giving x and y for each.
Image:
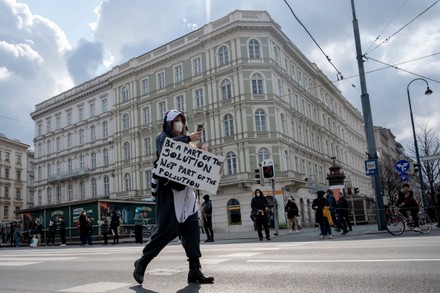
(213, 261)
(164, 272)
(38, 259)
(96, 287)
(241, 254)
(268, 248)
(341, 260)
(17, 263)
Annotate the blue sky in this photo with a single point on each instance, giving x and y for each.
(48, 46)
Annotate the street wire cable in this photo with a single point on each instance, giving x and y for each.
(386, 26)
(339, 74)
(399, 30)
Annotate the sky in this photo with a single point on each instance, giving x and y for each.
(50, 46)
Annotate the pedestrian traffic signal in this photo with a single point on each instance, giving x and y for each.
(356, 190)
(257, 175)
(268, 172)
(416, 168)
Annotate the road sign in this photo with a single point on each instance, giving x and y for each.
(431, 157)
(404, 177)
(402, 166)
(371, 167)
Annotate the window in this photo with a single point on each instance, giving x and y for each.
(82, 190)
(81, 136)
(104, 129)
(254, 49)
(162, 108)
(146, 115)
(70, 192)
(147, 146)
(223, 55)
(127, 151)
(94, 188)
(92, 133)
(124, 94)
(49, 170)
(276, 53)
(58, 168)
(127, 181)
(80, 114)
(263, 154)
(58, 144)
(93, 159)
(197, 66)
(6, 212)
(178, 74)
(18, 159)
(81, 162)
(92, 109)
(106, 185)
(58, 122)
(7, 156)
(69, 140)
(69, 118)
(58, 199)
(228, 123)
(6, 173)
(180, 103)
(260, 120)
(257, 84)
(40, 129)
(125, 121)
(199, 98)
(6, 191)
(231, 162)
(145, 87)
(18, 193)
(161, 80)
(48, 125)
(105, 157)
(70, 166)
(226, 91)
(49, 147)
(104, 105)
(49, 195)
(147, 179)
(234, 212)
(18, 174)
(40, 197)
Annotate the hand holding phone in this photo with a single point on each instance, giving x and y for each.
(199, 127)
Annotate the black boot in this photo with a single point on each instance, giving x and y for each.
(195, 275)
(140, 266)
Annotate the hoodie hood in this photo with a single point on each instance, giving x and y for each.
(168, 120)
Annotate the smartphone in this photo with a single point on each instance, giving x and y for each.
(199, 127)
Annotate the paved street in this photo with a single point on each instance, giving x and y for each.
(362, 261)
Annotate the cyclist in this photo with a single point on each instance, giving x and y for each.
(411, 205)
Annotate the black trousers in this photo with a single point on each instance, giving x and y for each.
(207, 223)
(169, 228)
(138, 233)
(261, 223)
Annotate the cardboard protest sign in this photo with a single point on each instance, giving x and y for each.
(189, 166)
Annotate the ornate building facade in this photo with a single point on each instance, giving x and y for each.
(258, 96)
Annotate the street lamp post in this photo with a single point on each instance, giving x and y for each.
(427, 92)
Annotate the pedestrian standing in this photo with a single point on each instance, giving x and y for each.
(207, 218)
(62, 231)
(176, 208)
(51, 229)
(318, 206)
(83, 228)
(89, 230)
(138, 221)
(104, 229)
(17, 234)
(343, 211)
(260, 210)
(38, 231)
(114, 226)
(292, 213)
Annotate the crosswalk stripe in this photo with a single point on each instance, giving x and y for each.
(96, 287)
(17, 263)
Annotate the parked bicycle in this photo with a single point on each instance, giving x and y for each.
(397, 222)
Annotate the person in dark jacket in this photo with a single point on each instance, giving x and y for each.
(260, 211)
(292, 212)
(207, 218)
(176, 208)
(318, 205)
(411, 205)
(138, 222)
(83, 228)
(104, 229)
(52, 230)
(114, 226)
(343, 211)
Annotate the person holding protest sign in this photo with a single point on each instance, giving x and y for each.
(176, 208)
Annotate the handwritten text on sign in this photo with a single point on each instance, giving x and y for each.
(189, 166)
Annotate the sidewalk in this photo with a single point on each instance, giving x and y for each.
(303, 234)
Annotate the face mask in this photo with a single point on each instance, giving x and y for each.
(258, 194)
(178, 126)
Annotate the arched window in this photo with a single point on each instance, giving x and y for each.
(228, 122)
(263, 154)
(127, 181)
(231, 162)
(223, 55)
(226, 89)
(254, 49)
(260, 120)
(283, 123)
(257, 84)
(234, 212)
(124, 94)
(125, 121)
(127, 151)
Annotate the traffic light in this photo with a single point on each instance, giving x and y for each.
(258, 176)
(268, 172)
(348, 190)
(416, 168)
(356, 190)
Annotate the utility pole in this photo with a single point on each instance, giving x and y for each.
(368, 122)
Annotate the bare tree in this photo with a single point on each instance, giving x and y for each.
(390, 179)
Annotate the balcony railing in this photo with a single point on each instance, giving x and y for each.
(69, 176)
